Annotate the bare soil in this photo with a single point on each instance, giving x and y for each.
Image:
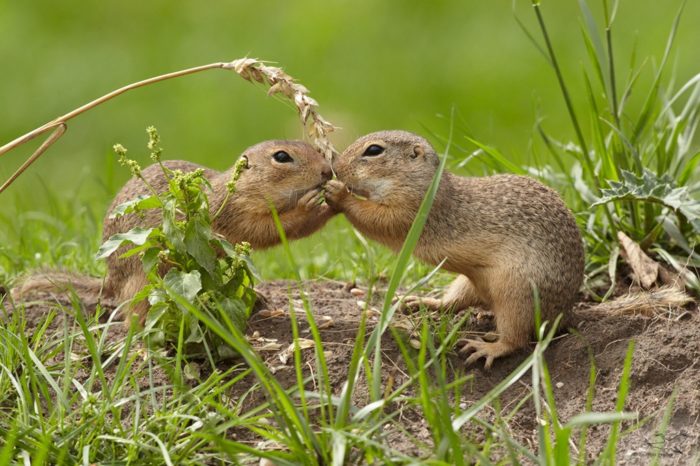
(666, 360)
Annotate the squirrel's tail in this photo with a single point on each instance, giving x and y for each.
(59, 283)
(647, 303)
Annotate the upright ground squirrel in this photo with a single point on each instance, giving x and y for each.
(502, 234)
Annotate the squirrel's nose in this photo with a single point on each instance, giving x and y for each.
(327, 173)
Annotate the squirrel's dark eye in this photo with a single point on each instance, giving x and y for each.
(374, 149)
(282, 157)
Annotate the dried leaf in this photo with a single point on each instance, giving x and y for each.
(274, 369)
(648, 303)
(326, 322)
(267, 313)
(260, 343)
(304, 343)
(646, 269)
(669, 278)
(269, 346)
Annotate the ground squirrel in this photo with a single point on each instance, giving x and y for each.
(287, 174)
(502, 234)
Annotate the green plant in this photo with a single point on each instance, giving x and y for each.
(183, 257)
(637, 160)
(632, 164)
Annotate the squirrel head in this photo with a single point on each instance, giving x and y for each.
(388, 164)
(282, 171)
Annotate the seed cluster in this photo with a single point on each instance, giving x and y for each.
(317, 127)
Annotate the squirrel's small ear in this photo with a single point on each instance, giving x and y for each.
(245, 161)
(418, 151)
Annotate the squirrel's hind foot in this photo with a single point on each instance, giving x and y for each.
(416, 302)
(484, 349)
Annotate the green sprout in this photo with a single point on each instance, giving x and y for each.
(124, 161)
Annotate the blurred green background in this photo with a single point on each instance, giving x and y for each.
(370, 64)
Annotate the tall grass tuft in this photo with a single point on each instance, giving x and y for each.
(632, 165)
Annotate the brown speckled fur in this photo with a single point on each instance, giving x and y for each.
(294, 188)
(502, 234)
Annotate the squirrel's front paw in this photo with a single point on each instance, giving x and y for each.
(336, 191)
(313, 203)
(312, 200)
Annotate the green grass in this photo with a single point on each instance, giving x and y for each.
(78, 397)
(634, 168)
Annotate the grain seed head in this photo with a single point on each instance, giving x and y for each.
(317, 127)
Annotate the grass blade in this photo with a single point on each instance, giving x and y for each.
(374, 342)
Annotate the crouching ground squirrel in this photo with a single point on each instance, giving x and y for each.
(502, 234)
(286, 174)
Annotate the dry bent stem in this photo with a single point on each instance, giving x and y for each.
(317, 127)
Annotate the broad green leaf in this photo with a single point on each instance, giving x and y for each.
(137, 249)
(182, 283)
(195, 334)
(150, 259)
(197, 242)
(139, 203)
(136, 236)
(171, 229)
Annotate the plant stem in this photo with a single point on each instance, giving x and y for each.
(62, 119)
(59, 130)
(611, 65)
(565, 92)
(59, 124)
(572, 113)
(613, 85)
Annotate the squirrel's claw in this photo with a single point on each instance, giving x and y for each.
(336, 191)
(311, 199)
(415, 302)
(483, 349)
